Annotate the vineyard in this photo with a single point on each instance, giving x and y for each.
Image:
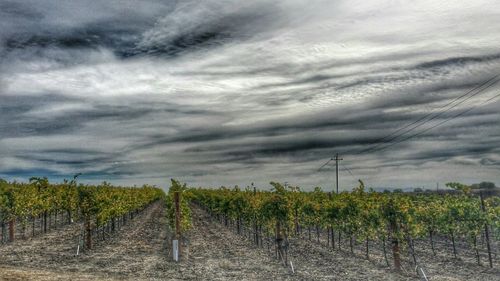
(39, 206)
(300, 235)
(397, 220)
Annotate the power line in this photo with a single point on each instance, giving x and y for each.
(350, 173)
(436, 114)
(331, 159)
(440, 123)
(480, 88)
(342, 168)
(429, 114)
(348, 170)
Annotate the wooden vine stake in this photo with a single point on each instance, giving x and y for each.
(256, 227)
(88, 233)
(390, 212)
(279, 243)
(395, 248)
(176, 243)
(12, 224)
(486, 231)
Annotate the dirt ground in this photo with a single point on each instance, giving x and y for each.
(442, 265)
(140, 251)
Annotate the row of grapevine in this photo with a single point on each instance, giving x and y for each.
(178, 214)
(362, 216)
(185, 220)
(97, 206)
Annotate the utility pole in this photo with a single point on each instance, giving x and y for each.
(337, 159)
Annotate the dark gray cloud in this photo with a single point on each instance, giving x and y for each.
(229, 92)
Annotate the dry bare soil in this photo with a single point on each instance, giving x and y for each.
(140, 251)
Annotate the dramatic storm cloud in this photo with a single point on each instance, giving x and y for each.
(221, 92)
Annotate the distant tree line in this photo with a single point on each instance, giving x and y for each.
(453, 185)
(483, 185)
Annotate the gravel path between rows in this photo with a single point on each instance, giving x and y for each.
(52, 256)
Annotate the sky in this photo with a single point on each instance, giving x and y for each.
(221, 92)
